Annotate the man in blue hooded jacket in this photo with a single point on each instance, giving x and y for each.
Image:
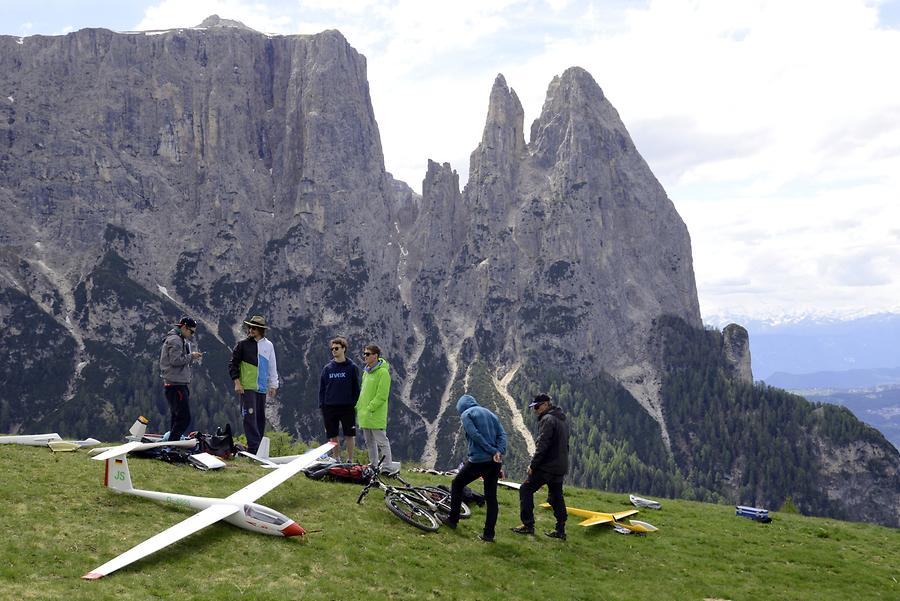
(487, 444)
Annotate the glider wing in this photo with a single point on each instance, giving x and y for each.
(110, 452)
(196, 522)
(600, 518)
(256, 489)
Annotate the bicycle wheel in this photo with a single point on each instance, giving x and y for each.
(441, 498)
(411, 513)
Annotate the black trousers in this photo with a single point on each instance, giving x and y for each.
(490, 471)
(253, 410)
(555, 495)
(178, 396)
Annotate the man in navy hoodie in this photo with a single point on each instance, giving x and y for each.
(487, 444)
(338, 392)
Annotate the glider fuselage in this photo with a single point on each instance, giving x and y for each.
(250, 516)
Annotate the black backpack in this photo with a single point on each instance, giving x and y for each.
(220, 444)
(469, 496)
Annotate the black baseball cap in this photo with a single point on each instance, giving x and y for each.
(187, 321)
(541, 398)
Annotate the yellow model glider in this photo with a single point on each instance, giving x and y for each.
(595, 518)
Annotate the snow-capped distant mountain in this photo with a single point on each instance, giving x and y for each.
(806, 344)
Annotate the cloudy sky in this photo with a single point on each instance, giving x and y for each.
(773, 125)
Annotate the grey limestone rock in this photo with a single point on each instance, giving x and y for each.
(736, 342)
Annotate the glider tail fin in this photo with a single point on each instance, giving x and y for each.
(139, 428)
(118, 477)
(263, 451)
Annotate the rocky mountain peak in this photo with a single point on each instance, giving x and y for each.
(577, 118)
(214, 21)
(503, 141)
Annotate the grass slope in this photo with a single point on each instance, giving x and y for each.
(58, 523)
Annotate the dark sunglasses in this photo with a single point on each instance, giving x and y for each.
(336, 348)
(367, 353)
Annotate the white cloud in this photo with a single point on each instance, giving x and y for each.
(832, 251)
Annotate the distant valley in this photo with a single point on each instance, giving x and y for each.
(878, 407)
(854, 363)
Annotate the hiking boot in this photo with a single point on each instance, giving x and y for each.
(485, 539)
(451, 525)
(556, 534)
(523, 529)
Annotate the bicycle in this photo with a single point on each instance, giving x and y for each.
(424, 507)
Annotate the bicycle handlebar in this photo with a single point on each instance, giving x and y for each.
(372, 481)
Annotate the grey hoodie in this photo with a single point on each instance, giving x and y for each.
(175, 359)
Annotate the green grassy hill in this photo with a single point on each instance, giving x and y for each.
(58, 523)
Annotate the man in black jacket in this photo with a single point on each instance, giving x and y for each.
(548, 466)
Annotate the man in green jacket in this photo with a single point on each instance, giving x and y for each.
(372, 406)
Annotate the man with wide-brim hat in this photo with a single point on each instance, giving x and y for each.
(255, 375)
(257, 321)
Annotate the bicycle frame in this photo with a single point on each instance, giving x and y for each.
(407, 489)
(407, 494)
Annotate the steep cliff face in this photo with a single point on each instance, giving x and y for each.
(219, 172)
(570, 249)
(216, 172)
(862, 477)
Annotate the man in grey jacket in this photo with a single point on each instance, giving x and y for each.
(175, 360)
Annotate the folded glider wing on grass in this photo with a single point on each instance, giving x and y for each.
(238, 509)
(34, 440)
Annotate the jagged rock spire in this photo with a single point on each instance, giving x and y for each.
(576, 119)
(503, 141)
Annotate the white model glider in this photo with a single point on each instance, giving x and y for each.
(128, 447)
(508, 484)
(238, 509)
(262, 455)
(644, 503)
(138, 431)
(71, 445)
(35, 440)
